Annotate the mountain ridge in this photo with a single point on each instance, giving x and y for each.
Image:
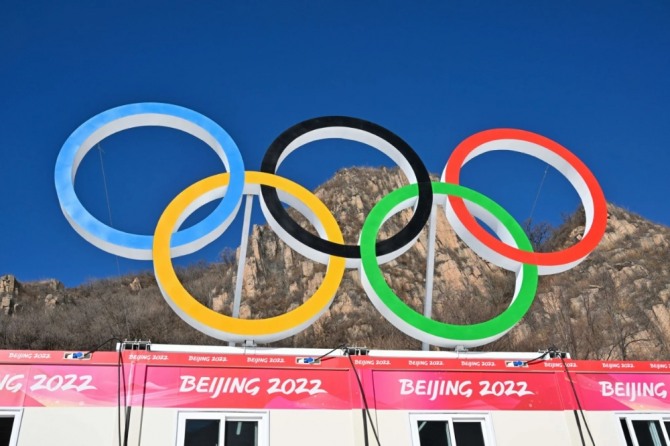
(614, 305)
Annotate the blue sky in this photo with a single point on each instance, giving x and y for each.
(594, 76)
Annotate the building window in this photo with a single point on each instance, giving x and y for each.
(222, 429)
(10, 420)
(451, 430)
(645, 429)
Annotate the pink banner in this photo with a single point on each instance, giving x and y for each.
(55, 385)
(188, 380)
(247, 388)
(13, 384)
(466, 391)
(629, 391)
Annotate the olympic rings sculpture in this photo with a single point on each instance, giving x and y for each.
(509, 248)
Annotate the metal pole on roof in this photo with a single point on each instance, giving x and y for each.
(430, 270)
(249, 201)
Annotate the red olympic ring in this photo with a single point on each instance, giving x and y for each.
(559, 157)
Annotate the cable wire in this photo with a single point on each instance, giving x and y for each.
(98, 347)
(365, 401)
(109, 206)
(339, 347)
(579, 404)
(537, 195)
(538, 359)
(118, 391)
(556, 353)
(120, 370)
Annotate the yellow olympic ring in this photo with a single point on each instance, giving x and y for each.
(230, 328)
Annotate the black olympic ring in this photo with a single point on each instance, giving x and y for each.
(273, 158)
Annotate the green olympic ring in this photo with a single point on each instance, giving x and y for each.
(419, 326)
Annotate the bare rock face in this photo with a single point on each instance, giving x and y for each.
(50, 301)
(219, 302)
(51, 284)
(278, 279)
(14, 295)
(9, 291)
(6, 304)
(135, 285)
(614, 305)
(8, 285)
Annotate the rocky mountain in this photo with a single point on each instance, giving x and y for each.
(613, 305)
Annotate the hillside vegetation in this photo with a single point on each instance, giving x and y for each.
(614, 305)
